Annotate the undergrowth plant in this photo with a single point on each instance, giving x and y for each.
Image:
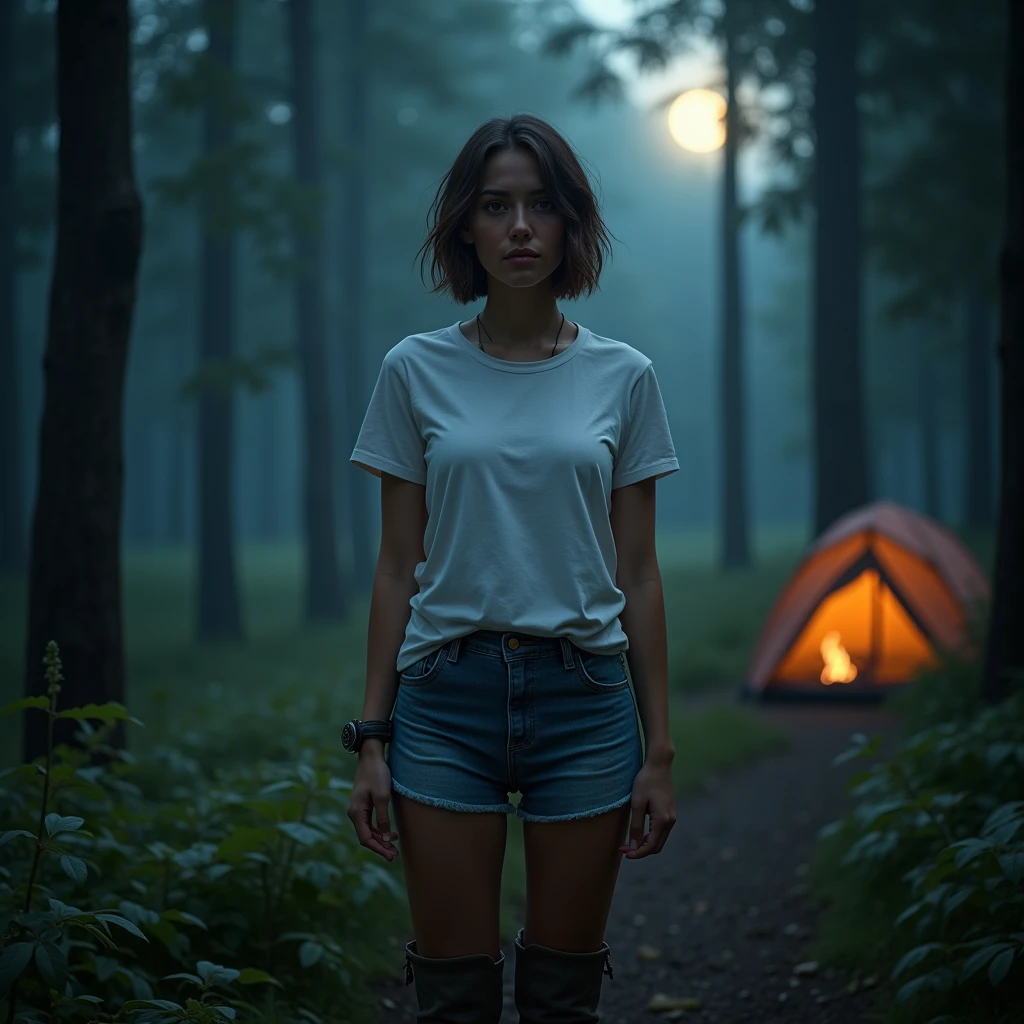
(175, 906)
(938, 831)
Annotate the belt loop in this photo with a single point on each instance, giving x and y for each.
(567, 658)
(453, 649)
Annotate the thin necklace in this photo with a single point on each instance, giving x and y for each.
(480, 323)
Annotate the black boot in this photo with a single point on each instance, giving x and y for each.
(556, 987)
(457, 989)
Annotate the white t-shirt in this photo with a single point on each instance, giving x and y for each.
(519, 462)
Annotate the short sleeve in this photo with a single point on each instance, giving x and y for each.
(389, 440)
(647, 448)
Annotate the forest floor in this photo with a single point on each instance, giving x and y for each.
(723, 917)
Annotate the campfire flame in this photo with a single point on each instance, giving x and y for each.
(838, 667)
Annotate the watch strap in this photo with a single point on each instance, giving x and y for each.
(373, 729)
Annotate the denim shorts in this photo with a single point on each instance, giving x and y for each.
(492, 713)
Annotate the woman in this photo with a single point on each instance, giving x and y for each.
(518, 454)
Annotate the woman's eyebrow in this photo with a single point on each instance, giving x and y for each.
(505, 192)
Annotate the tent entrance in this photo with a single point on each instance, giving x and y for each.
(859, 636)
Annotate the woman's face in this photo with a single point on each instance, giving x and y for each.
(512, 211)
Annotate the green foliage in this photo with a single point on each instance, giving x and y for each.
(247, 875)
(926, 875)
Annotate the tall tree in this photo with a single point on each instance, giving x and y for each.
(218, 610)
(1005, 655)
(840, 457)
(12, 537)
(354, 258)
(732, 403)
(75, 554)
(978, 345)
(324, 599)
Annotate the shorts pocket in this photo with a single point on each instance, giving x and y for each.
(424, 671)
(605, 673)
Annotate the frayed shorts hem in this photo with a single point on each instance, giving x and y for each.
(575, 816)
(451, 805)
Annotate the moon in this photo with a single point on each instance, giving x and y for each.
(696, 120)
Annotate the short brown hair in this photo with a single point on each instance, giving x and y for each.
(455, 267)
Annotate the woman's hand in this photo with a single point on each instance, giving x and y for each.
(371, 790)
(652, 794)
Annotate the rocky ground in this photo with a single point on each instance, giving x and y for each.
(716, 928)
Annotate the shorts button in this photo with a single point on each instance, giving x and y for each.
(513, 644)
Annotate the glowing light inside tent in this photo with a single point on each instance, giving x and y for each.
(838, 666)
(696, 120)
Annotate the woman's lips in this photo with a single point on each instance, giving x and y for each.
(522, 260)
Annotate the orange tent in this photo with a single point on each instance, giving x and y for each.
(868, 606)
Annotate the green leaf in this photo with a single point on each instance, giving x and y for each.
(109, 712)
(24, 704)
(216, 974)
(1000, 966)
(121, 923)
(15, 959)
(194, 978)
(62, 912)
(310, 953)
(227, 1012)
(968, 849)
(74, 868)
(301, 832)
(308, 775)
(242, 840)
(1012, 865)
(55, 824)
(276, 787)
(913, 958)
(184, 918)
(980, 957)
(52, 965)
(254, 976)
(7, 836)
(152, 1004)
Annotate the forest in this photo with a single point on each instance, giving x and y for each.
(210, 212)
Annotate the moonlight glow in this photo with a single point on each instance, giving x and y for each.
(695, 120)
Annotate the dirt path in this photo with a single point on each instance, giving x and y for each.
(725, 907)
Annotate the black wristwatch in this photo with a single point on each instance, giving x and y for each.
(356, 732)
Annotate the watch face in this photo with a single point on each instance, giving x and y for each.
(348, 736)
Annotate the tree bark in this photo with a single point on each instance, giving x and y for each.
(354, 258)
(980, 513)
(218, 609)
(735, 528)
(840, 459)
(1005, 655)
(324, 600)
(75, 555)
(12, 525)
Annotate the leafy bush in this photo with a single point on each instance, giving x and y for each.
(249, 876)
(937, 842)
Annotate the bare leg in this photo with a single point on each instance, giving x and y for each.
(571, 870)
(452, 862)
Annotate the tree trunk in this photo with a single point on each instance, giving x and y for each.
(1005, 654)
(75, 557)
(12, 527)
(354, 258)
(840, 460)
(219, 615)
(324, 598)
(928, 424)
(978, 394)
(735, 529)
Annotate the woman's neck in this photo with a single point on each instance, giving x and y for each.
(520, 318)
